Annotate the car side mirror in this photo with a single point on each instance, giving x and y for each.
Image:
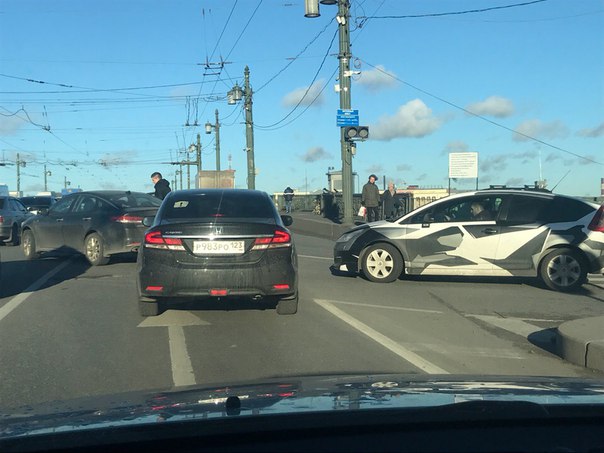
(148, 221)
(287, 220)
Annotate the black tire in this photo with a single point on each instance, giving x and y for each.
(288, 306)
(563, 270)
(94, 249)
(148, 306)
(382, 263)
(28, 244)
(14, 236)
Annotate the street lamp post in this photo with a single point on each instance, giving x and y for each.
(46, 174)
(234, 95)
(312, 10)
(216, 127)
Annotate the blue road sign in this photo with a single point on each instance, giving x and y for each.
(347, 117)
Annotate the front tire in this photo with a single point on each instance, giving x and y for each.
(28, 244)
(563, 270)
(94, 249)
(382, 263)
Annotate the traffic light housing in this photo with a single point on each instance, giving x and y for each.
(356, 132)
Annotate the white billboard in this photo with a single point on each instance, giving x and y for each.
(463, 165)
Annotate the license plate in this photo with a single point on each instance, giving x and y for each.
(218, 247)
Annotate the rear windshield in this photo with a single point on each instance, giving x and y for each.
(135, 200)
(218, 205)
(36, 201)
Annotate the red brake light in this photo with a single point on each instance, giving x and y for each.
(1, 219)
(154, 239)
(280, 238)
(597, 223)
(127, 218)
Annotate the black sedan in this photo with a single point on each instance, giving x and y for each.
(218, 243)
(97, 224)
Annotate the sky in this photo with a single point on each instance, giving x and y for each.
(100, 94)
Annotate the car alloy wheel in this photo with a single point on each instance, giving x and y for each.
(29, 245)
(94, 250)
(382, 263)
(563, 270)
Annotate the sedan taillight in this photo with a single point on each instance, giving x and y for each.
(155, 240)
(279, 239)
(127, 218)
(597, 223)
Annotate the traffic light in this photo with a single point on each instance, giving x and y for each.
(356, 132)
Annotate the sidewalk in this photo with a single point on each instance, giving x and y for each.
(580, 341)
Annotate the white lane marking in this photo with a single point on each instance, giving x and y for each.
(182, 369)
(315, 257)
(175, 321)
(22, 297)
(383, 340)
(419, 310)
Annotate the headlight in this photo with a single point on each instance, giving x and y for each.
(351, 235)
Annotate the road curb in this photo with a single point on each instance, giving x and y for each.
(582, 342)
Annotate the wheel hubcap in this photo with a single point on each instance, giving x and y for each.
(564, 270)
(93, 249)
(380, 263)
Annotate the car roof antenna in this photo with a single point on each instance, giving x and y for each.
(561, 179)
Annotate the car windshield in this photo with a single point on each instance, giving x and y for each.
(223, 205)
(229, 192)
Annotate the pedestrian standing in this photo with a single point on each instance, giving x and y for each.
(288, 196)
(370, 198)
(161, 186)
(389, 201)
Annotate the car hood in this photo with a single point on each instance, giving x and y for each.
(298, 395)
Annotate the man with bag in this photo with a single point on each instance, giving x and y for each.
(370, 199)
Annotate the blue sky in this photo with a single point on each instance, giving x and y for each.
(123, 78)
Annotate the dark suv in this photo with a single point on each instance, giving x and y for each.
(493, 232)
(218, 243)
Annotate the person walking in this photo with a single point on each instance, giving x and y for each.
(370, 198)
(288, 196)
(389, 201)
(161, 186)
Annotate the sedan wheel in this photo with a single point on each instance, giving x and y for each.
(563, 270)
(382, 263)
(94, 250)
(28, 243)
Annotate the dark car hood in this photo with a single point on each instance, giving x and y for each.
(294, 396)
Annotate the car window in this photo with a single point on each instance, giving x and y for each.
(63, 205)
(135, 200)
(528, 209)
(462, 210)
(218, 205)
(564, 209)
(86, 204)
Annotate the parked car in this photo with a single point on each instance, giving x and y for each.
(35, 204)
(218, 243)
(97, 224)
(12, 214)
(523, 232)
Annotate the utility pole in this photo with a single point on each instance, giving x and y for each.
(198, 179)
(46, 174)
(19, 165)
(249, 131)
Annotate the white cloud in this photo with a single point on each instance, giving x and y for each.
(377, 79)
(315, 154)
(456, 146)
(305, 96)
(414, 119)
(592, 132)
(496, 106)
(538, 129)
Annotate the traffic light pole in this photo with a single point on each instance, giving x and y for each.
(345, 104)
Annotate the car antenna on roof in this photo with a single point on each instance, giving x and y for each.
(561, 179)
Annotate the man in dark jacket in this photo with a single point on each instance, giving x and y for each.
(162, 186)
(370, 198)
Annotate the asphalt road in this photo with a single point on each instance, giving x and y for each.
(69, 330)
